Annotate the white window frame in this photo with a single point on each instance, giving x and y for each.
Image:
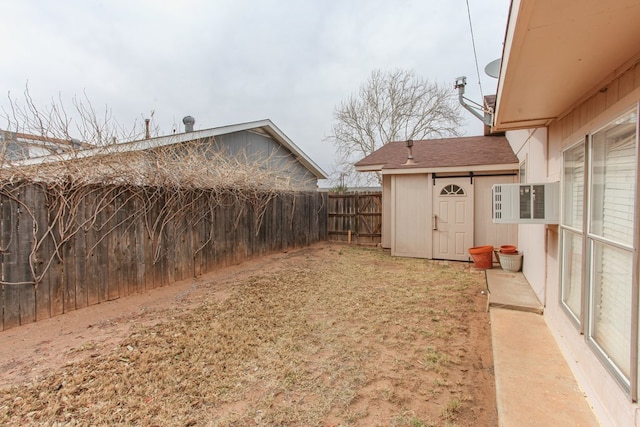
(591, 238)
(579, 232)
(522, 171)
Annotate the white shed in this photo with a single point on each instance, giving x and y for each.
(436, 194)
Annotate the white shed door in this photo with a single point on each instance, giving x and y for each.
(452, 220)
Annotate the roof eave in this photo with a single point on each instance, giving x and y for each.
(454, 169)
(275, 132)
(557, 53)
(370, 168)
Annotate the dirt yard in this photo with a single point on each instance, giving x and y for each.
(330, 335)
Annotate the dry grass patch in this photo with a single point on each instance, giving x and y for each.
(338, 336)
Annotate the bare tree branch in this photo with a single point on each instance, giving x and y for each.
(390, 106)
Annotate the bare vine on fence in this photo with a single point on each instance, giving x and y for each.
(102, 185)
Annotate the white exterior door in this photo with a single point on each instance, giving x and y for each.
(452, 220)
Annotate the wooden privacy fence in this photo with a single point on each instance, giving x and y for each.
(356, 216)
(108, 242)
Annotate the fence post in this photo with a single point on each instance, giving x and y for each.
(357, 221)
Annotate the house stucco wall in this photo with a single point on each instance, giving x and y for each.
(611, 403)
(530, 146)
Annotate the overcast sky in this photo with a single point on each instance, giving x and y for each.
(232, 61)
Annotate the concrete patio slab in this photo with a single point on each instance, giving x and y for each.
(511, 290)
(534, 385)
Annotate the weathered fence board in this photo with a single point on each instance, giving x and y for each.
(43, 290)
(25, 236)
(79, 262)
(11, 314)
(355, 215)
(91, 258)
(118, 241)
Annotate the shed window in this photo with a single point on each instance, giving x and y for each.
(452, 190)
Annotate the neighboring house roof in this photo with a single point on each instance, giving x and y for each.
(432, 155)
(18, 145)
(558, 52)
(265, 126)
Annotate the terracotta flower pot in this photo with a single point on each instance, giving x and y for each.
(482, 256)
(508, 249)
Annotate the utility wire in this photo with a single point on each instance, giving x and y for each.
(475, 54)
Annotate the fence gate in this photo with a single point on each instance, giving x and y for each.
(356, 216)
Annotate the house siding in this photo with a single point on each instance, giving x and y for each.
(261, 148)
(602, 101)
(611, 403)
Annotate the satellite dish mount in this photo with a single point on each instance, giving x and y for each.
(471, 106)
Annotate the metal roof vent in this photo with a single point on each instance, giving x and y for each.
(410, 160)
(188, 123)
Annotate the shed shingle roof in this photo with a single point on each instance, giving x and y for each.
(445, 152)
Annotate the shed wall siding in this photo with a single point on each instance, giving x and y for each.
(485, 231)
(411, 216)
(386, 212)
(408, 212)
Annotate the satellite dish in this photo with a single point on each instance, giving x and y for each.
(493, 68)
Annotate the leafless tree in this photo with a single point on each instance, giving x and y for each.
(390, 106)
